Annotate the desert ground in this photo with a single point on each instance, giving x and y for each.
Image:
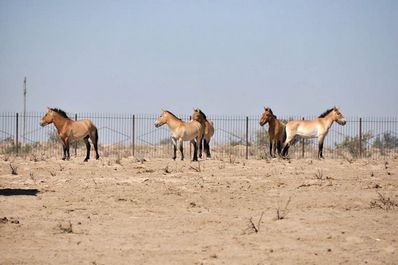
(232, 211)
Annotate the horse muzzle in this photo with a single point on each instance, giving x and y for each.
(42, 124)
(343, 122)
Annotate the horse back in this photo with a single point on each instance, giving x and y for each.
(189, 130)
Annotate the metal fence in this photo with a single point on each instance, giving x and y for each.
(123, 135)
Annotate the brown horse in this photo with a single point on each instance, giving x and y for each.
(181, 131)
(70, 130)
(276, 131)
(208, 131)
(317, 128)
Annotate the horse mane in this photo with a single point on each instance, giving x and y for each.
(270, 110)
(323, 115)
(60, 112)
(201, 113)
(172, 114)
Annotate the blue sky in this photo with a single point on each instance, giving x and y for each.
(226, 57)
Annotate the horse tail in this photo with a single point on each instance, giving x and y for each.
(284, 135)
(96, 135)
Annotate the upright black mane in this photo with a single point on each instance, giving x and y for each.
(172, 114)
(270, 111)
(201, 113)
(323, 115)
(60, 112)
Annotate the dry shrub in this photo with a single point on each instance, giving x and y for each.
(383, 202)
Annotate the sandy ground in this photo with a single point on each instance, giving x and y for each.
(215, 212)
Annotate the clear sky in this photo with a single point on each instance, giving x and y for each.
(226, 57)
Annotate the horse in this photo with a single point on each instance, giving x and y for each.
(317, 128)
(208, 130)
(276, 131)
(181, 131)
(70, 130)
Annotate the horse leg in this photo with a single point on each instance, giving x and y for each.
(274, 146)
(207, 148)
(181, 143)
(88, 146)
(94, 139)
(195, 149)
(279, 147)
(67, 150)
(174, 148)
(64, 150)
(320, 150)
(200, 148)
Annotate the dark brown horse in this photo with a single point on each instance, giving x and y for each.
(70, 130)
(276, 131)
(208, 130)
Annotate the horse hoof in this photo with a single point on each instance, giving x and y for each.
(85, 160)
(97, 157)
(63, 158)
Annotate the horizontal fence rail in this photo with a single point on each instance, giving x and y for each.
(123, 135)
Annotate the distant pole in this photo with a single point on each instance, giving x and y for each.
(133, 134)
(24, 110)
(247, 137)
(360, 137)
(16, 133)
(302, 145)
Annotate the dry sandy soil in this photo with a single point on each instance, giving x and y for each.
(217, 212)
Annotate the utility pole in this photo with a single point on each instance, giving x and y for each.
(24, 110)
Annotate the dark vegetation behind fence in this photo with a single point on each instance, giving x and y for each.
(122, 135)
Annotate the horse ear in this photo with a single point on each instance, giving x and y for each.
(265, 108)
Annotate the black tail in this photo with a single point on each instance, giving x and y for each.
(96, 144)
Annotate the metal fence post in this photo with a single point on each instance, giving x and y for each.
(75, 141)
(360, 137)
(16, 135)
(133, 134)
(247, 137)
(302, 145)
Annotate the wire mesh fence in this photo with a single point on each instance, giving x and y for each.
(123, 135)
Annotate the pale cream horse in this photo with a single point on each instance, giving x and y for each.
(208, 130)
(70, 130)
(181, 131)
(317, 128)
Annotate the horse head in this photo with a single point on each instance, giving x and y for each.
(338, 116)
(47, 118)
(266, 116)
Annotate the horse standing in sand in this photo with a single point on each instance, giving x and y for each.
(276, 131)
(181, 131)
(208, 131)
(70, 130)
(317, 128)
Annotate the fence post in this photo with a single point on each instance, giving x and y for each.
(190, 145)
(16, 134)
(302, 145)
(360, 137)
(133, 133)
(75, 141)
(247, 137)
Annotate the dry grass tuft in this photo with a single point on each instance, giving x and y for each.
(383, 202)
(14, 169)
